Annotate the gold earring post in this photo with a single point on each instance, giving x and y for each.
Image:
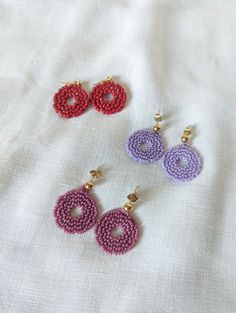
(157, 118)
(95, 174)
(76, 82)
(186, 134)
(108, 78)
(132, 197)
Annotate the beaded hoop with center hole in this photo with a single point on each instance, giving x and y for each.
(181, 163)
(77, 198)
(74, 91)
(121, 243)
(145, 146)
(100, 93)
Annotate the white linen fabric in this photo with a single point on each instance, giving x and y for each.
(176, 56)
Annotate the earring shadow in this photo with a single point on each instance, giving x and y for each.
(126, 87)
(144, 195)
(105, 169)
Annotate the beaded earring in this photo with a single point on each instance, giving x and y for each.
(79, 100)
(65, 208)
(108, 97)
(145, 146)
(182, 162)
(115, 220)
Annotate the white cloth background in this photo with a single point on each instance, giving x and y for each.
(176, 56)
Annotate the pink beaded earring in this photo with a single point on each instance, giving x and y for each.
(74, 93)
(108, 97)
(64, 209)
(119, 219)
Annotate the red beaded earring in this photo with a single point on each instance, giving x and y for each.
(108, 97)
(71, 91)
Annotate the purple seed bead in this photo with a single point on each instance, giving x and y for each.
(109, 221)
(182, 163)
(67, 203)
(145, 146)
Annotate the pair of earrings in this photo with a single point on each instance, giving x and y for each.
(106, 226)
(180, 163)
(106, 97)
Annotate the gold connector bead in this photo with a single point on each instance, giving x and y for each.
(184, 139)
(128, 207)
(89, 185)
(186, 135)
(156, 128)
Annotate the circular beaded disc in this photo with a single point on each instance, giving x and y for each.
(70, 201)
(108, 106)
(104, 231)
(66, 92)
(181, 163)
(145, 146)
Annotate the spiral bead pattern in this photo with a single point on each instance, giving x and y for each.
(104, 88)
(70, 91)
(104, 231)
(153, 151)
(191, 163)
(68, 202)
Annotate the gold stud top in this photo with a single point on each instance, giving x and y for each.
(108, 78)
(132, 197)
(95, 174)
(186, 134)
(157, 118)
(75, 82)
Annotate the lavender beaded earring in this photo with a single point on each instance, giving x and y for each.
(182, 162)
(145, 146)
(114, 220)
(64, 210)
